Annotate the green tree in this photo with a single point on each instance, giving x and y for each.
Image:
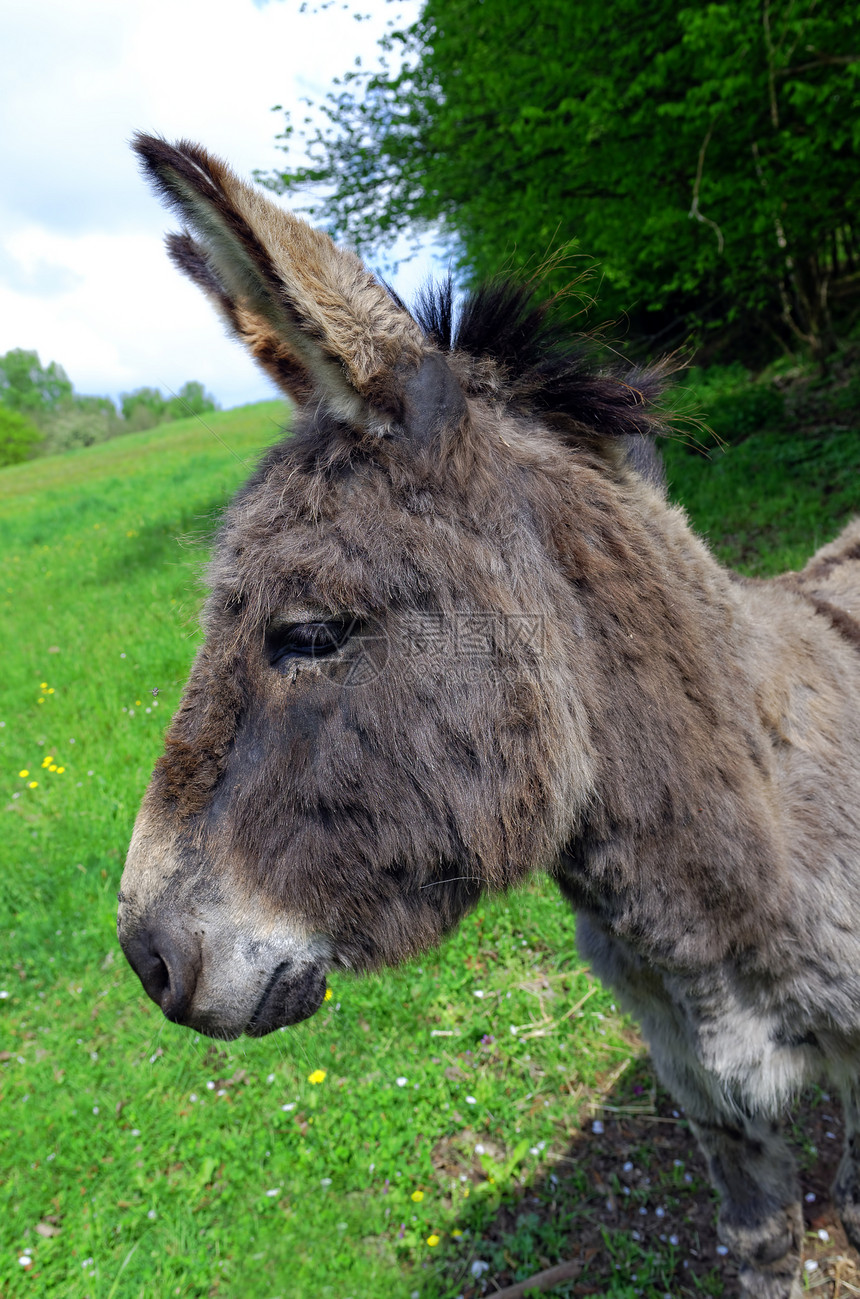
(27, 385)
(147, 407)
(143, 408)
(192, 399)
(705, 156)
(19, 438)
(81, 422)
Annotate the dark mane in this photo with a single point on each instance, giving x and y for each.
(544, 367)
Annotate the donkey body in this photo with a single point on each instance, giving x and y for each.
(454, 638)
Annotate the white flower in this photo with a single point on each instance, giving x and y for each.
(274, 1191)
(470, 1100)
(401, 1082)
(478, 1268)
(597, 1127)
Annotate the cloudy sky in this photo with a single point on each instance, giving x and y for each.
(84, 279)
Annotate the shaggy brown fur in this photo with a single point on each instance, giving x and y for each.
(454, 638)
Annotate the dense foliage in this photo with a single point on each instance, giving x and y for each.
(41, 412)
(30, 387)
(704, 156)
(18, 437)
(147, 407)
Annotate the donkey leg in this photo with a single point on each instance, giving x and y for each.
(846, 1188)
(752, 1168)
(760, 1217)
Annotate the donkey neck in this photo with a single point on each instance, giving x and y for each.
(678, 846)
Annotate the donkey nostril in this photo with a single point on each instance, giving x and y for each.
(158, 981)
(168, 966)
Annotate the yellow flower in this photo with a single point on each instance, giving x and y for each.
(317, 1076)
(328, 995)
(456, 1233)
(53, 767)
(46, 762)
(417, 1196)
(51, 691)
(60, 770)
(432, 1240)
(41, 699)
(24, 774)
(32, 784)
(43, 686)
(137, 703)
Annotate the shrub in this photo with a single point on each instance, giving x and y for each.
(80, 422)
(749, 410)
(733, 403)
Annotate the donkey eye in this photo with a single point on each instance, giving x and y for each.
(307, 639)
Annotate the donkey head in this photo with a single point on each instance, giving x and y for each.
(384, 719)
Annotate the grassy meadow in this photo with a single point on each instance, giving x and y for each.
(417, 1138)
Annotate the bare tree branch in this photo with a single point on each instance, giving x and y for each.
(546, 1280)
(694, 206)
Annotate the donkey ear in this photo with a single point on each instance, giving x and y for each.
(254, 330)
(300, 298)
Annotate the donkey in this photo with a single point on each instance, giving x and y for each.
(455, 637)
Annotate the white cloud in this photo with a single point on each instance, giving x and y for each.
(83, 276)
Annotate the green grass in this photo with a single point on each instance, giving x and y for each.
(765, 505)
(141, 1160)
(780, 477)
